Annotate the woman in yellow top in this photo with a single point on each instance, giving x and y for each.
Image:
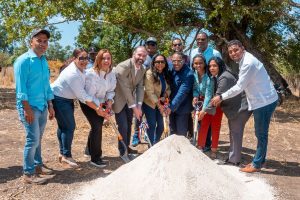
(156, 88)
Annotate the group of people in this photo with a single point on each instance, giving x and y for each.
(140, 86)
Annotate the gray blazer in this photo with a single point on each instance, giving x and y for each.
(130, 87)
(231, 107)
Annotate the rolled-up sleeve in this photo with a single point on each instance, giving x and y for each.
(50, 94)
(21, 70)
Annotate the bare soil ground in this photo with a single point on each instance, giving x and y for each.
(282, 170)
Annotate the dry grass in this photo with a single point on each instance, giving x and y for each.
(7, 74)
(7, 77)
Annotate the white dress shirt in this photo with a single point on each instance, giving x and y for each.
(100, 86)
(254, 79)
(70, 84)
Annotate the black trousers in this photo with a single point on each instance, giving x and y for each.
(124, 122)
(95, 135)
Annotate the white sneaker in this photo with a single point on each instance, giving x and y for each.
(69, 161)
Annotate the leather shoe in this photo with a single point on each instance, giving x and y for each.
(132, 151)
(227, 162)
(249, 169)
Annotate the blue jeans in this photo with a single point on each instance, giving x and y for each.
(34, 133)
(155, 122)
(262, 118)
(64, 114)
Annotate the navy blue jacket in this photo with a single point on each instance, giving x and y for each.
(181, 90)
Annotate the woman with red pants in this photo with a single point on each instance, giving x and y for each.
(211, 116)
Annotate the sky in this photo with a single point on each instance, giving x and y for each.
(68, 33)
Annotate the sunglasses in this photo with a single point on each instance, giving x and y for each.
(176, 61)
(177, 45)
(81, 58)
(159, 62)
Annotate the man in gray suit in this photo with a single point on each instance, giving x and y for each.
(129, 94)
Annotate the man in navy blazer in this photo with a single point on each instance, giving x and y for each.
(181, 95)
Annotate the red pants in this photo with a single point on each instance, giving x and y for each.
(215, 122)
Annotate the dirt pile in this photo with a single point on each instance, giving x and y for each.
(174, 169)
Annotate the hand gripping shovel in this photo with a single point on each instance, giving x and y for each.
(198, 107)
(165, 103)
(124, 157)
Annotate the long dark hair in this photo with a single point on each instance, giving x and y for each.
(165, 71)
(77, 51)
(220, 63)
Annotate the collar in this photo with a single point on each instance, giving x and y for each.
(242, 59)
(203, 52)
(32, 54)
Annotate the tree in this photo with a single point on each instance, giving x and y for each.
(56, 52)
(269, 29)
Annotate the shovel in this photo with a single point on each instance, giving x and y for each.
(143, 128)
(124, 157)
(165, 103)
(120, 139)
(198, 107)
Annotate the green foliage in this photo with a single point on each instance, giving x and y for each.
(268, 27)
(5, 60)
(56, 52)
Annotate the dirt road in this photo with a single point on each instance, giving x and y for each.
(282, 171)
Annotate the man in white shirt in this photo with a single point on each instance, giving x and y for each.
(261, 97)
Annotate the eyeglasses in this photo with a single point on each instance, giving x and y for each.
(83, 58)
(159, 62)
(177, 45)
(176, 61)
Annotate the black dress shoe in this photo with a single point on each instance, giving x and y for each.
(132, 151)
(231, 163)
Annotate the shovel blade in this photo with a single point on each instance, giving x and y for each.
(125, 158)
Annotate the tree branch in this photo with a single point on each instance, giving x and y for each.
(294, 4)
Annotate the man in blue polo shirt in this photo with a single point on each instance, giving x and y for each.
(34, 95)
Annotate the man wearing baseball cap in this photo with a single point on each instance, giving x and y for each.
(34, 95)
(92, 57)
(151, 47)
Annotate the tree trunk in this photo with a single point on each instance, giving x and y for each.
(234, 33)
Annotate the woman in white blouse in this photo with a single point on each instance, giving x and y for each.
(69, 86)
(100, 84)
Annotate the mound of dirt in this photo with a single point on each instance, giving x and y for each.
(173, 169)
